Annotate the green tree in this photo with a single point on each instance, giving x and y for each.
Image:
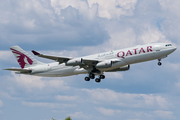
(53, 119)
(68, 118)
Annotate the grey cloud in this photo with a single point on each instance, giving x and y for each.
(37, 24)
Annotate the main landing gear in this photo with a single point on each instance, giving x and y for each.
(159, 63)
(92, 76)
(87, 79)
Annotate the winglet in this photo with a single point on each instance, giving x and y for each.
(35, 53)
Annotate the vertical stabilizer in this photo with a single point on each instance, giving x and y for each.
(23, 58)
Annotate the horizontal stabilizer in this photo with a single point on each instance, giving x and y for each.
(19, 70)
(56, 58)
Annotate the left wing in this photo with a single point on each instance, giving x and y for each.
(82, 62)
(58, 59)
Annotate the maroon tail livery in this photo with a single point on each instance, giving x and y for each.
(23, 58)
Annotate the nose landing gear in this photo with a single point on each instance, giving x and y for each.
(159, 63)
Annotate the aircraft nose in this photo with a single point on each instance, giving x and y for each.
(173, 48)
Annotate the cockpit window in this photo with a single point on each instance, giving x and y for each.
(168, 45)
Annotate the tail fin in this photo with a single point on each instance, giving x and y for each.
(23, 58)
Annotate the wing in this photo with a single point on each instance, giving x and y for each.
(82, 62)
(19, 70)
(58, 59)
(65, 59)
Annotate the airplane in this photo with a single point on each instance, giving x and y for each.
(92, 65)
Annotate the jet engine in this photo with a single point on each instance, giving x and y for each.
(104, 64)
(74, 62)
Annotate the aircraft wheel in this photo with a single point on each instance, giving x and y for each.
(87, 79)
(159, 63)
(102, 76)
(91, 75)
(98, 80)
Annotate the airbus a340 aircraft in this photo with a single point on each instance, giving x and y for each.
(97, 64)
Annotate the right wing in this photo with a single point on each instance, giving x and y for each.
(58, 59)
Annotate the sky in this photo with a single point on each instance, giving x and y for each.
(76, 28)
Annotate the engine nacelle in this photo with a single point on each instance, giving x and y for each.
(124, 68)
(74, 62)
(104, 64)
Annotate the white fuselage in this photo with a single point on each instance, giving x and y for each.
(123, 57)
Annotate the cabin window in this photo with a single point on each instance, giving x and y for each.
(168, 45)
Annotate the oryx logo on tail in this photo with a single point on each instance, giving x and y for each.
(22, 58)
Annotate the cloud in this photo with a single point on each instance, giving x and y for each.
(164, 114)
(32, 82)
(103, 96)
(79, 115)
(118, 75)
(56, 22)
(28, 82)
(169, 6)
(47, 105)
(169, 24)
(66, 98)
(114, 8)
(152, 35)
(108, 112)
(46, 22)
(1, 103)
(172, 67)
(8, 95)
(121, 38)
(5, 55)
(80, 21)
